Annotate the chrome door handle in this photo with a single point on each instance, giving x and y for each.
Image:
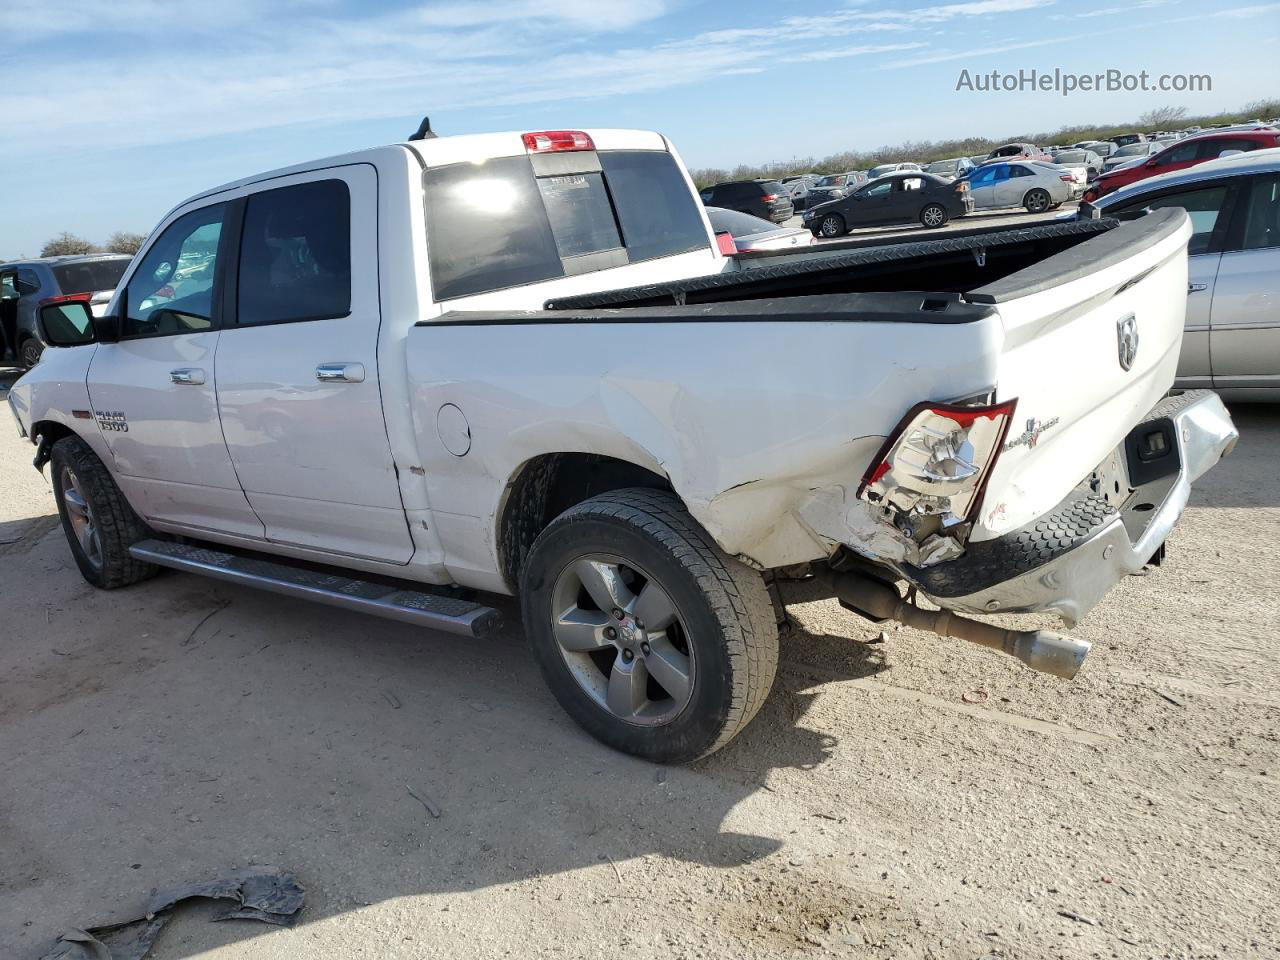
(340, 373)
(1196, 287)
(189, 375)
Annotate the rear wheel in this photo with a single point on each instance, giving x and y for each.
(1036, 201)
(934, 215)
(99, 523)
(652, 639)
(29, 353)
(832, 225)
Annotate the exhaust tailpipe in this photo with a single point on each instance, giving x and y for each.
(1040, 650)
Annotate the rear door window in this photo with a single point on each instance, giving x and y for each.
(1203, 206)
(497, 225)
(295, 254)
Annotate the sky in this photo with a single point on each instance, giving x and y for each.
(117, 111)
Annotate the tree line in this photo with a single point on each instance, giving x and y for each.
(67, 244)
(926, 151)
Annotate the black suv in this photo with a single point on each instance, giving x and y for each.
(760, 198)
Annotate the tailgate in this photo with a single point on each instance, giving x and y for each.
(1071, 324)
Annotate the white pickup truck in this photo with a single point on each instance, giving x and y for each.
(413, 377)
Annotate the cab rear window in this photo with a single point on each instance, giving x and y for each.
(497, 225)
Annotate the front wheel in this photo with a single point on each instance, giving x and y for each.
(832, 225)
(653, 639)
(934, 215)
(1036, 201)
(99, 523)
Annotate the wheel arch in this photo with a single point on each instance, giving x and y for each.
(545, 486)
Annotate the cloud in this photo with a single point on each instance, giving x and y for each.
(226, 67)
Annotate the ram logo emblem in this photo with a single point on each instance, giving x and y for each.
(1127, 341)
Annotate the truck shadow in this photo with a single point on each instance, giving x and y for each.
(262, 731)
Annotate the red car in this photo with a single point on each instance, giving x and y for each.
(1184, 153)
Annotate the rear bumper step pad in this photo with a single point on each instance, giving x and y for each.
(449, 614)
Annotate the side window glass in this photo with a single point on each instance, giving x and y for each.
(1262, 217)
(172, 289)
(1182, 154)
(1000, 173)
(295, 254)
(8, 288)
(27, 282)
(879, 190)
(1203, 206)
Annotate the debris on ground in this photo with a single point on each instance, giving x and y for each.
(270, 897)
(1079, 918)
(425, 801)
(975, 695)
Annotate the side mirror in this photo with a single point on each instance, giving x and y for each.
(67, 324)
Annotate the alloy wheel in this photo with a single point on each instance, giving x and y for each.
(623, 639)
(80, 515)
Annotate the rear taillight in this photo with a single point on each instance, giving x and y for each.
(1066, 178)
(938, 460)
(557, 141)
(67, 298)
(769, 197)
(962, 186)
(725, 244)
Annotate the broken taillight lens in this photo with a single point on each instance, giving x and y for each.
(938, 460)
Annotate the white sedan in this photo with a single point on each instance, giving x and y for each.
(1036, 186)
(754, 234)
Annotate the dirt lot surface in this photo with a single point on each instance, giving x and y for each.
(177, 729)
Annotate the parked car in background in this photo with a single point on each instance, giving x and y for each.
(950, 169)
(1232, 334)
(1103, 148)
(834, 186)
(753, 235)
(27, 285)
(1079, 176)
(768, 199)
(1086, 159)
(1016, 151)
(797, 188)
(1182, 154)
(978, 160)
(1125, 139)
(894, 198)
(1036, 186)
(887, 168)
(1132, 153)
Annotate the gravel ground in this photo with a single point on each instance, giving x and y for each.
(172, 731)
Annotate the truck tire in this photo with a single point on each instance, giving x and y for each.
(652, 638)
(99, 523)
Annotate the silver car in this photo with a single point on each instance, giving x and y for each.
(1232, 338)
(1036, 186)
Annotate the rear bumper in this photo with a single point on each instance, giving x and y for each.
(1068, 559)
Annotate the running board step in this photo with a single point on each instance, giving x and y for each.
(408, 606)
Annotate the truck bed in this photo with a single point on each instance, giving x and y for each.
(985, 266)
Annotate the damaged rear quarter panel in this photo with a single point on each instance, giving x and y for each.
(749, 420)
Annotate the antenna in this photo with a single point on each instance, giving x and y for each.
(424, 131)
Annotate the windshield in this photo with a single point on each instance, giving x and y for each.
(1071, 156)
(496, 225)
(838, 180)
(881, 170)
(943, 166)
(1133, 150)
(738, 224)
(88, 276)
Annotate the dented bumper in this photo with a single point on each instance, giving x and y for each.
(1068, 559)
